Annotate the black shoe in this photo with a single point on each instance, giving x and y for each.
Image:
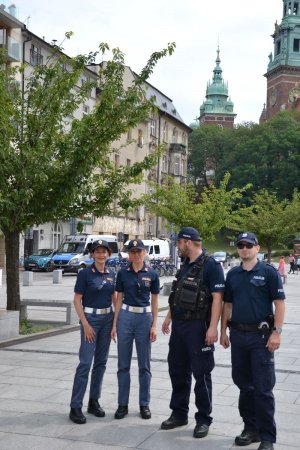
(76, 416)
(121, 412)
(201, 430)
(145, 412)
(172, 422)
(266, 445)
(247, 437)
(95, 408)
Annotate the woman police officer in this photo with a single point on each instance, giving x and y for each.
(94, 295)
(135, 318)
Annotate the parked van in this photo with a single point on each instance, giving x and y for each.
(156, 249)
(74, 252)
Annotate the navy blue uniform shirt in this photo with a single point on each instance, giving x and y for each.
(96, 287)
(213, 274)
(252, 292)
(137, 286)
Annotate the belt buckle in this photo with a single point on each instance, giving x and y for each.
(135, 309)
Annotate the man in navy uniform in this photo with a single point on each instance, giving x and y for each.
(195, 308)
(251, 290)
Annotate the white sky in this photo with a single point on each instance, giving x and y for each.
(139, 27)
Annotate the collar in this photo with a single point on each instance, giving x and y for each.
(256, 268)
(95, 270)
(143, 269)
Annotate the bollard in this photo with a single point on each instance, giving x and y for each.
(57, 276)
(27, 278)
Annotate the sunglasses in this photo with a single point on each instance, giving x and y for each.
(243, 245)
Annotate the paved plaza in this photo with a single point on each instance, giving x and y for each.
(36, 381)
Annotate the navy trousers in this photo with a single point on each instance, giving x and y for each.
(189, 355)
(253, 371)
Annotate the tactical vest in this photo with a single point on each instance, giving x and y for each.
(189, 298)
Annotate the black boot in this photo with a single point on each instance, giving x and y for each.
(145, 412)
(95, 408)
(76, 416)
(121, 412)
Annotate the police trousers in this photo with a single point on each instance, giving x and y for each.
(89, 351)
(253, 371)
(189, 355)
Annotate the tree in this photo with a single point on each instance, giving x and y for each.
(52, 168)
(181, 206)
(272, 220)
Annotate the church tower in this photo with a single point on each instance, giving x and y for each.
(217, 109)
(283, 75)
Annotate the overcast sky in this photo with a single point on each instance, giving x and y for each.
(139, 27)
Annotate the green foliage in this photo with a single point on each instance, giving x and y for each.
(265, 155)
(27, 328)
(181, 206)
(271, 219)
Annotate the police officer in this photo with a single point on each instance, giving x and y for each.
(94, 294)
(195, 309)
(251, 290)
(135, 320)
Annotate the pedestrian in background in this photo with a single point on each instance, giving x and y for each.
(281, 266)
(93, 299)
(135, 319)
(292, 261)
(195, 307)
(251, 290)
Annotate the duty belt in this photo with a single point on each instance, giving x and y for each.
(261, 326)
(137, 309)
(88, 310)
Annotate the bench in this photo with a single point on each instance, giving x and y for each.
(71, 316)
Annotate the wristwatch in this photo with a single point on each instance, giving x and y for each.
(277, 330)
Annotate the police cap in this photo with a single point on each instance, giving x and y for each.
(247, 237)
(136, 244)
(189, 233)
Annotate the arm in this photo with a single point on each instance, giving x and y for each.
(154, 307)
(212, 332)
(88, 330)
(166, 323)
(275, 338)
(118, 304)
(226, 315)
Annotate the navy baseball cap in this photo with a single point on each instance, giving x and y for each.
(189, 233)
(100, 243)
(247, 237)
(136, 244)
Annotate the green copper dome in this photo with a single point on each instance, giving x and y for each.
(217, 101)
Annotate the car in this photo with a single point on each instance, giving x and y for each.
(222, 257)
(40, 260)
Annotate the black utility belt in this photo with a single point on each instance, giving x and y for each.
(188, 315)
(263, 327)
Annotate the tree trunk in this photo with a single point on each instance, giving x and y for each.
(12, 245)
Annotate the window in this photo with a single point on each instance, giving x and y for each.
(129, 134)
(36, 57)
(55, 235)
(140, 138)
(128, 162)
(174, 135)
(296, 46)
(184, 138)
(177, 166)
(165, 132)
(86, 109)
(117, 161)
(153, 129)
(156, 249)
(164, 163)
(296, 8)
(181, 167)
(84, 80)
(278, 47)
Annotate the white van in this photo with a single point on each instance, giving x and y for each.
(156, 248)
(74, 252)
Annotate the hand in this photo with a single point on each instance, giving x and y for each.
(89, 333)
(165, 328)
(273, 342)
(211, 335)
(224, 340)
(153, 334)
(113, 333)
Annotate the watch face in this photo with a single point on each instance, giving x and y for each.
(294, 94)
(273, 97)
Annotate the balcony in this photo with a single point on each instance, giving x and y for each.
(177, 148)
(36, 58)
(13, 47)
